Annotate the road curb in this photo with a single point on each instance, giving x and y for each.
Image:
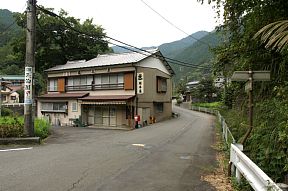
(25, 140)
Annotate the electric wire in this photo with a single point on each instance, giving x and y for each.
(9, 27)
(139, 50)
(173, 25)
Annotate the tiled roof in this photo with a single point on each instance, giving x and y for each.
(106, 60)
(107, 98)
(64, 95)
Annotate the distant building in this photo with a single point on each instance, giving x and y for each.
(109, 90)
(13, 83)
(192, 84)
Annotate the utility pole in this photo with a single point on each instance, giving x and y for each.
(29, 69)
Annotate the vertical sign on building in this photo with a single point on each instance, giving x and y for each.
(28, 86)
(140, 83)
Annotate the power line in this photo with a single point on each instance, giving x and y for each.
(10, 26)
(132, 48)
(172, 24)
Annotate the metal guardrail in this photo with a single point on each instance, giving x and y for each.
(253, 174)
(240, 163)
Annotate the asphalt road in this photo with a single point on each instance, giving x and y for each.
(166, 156)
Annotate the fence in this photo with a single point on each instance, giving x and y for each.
(240, 163)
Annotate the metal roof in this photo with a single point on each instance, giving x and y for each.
(12, 77)
(106, 60)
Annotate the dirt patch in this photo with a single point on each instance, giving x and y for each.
(218, 178)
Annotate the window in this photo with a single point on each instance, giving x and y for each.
(54, 107)
(109, 81)
(74, 107)
(13, 97)
(4, 98)
(159, 107)
(161, 84)
(80, 83)
(52, 85)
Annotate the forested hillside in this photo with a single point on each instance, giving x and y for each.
(195, 50)
(9, 31)
(267, 144)
(55, 44)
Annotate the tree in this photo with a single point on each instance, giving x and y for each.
(205, 90)
(275, 35)
(57, 41)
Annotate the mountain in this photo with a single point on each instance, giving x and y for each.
(195, 50)
(8, 27)
(173, 48)
(197, 54)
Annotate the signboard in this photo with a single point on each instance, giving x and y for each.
(256, 75)
(140, 83)
(28, 85)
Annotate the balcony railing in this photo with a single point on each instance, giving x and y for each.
(94, 87)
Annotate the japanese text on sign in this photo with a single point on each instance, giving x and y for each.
(140, 83)
(28, 85)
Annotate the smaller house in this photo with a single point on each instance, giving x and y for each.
(9, 96)
(9, 89)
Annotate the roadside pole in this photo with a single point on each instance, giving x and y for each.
(29, 69)
(249, 77)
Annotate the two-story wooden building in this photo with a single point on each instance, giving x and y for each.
(109, 90)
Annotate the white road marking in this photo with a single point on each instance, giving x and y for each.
(139, 145)
(17, 149)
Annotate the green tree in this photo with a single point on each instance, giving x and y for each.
(205, 90)
(240, 51)
(56, 43)
(275, 35)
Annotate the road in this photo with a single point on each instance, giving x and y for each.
(166, 156)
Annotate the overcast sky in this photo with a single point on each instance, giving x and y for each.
(131, 21)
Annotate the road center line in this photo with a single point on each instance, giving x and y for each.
(17, 149)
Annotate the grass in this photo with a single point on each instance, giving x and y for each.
(213, 105)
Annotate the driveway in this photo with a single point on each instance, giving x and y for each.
(170, 155)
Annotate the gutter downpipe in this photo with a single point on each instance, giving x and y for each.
(136, 96)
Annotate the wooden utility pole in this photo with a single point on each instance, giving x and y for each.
(29, 69)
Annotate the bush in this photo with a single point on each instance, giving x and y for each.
(6, 112)
(11, 127)
(41, 127)
(14, 127)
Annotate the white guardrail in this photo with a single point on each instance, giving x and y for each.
(252, 173)
(240, 163)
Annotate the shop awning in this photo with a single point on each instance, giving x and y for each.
(106, 99)
(63, 95)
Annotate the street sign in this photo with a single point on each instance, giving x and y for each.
(28, 86)
(250, 77)
(256, 75)
(140, 83)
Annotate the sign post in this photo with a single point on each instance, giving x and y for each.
(249, 77)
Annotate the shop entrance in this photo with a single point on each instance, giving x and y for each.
(102, 115)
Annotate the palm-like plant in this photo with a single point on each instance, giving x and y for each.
(275, 35)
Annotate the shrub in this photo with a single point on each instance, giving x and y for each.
(14, 127)
(11, 127)
(41, 127)
(6, 112)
